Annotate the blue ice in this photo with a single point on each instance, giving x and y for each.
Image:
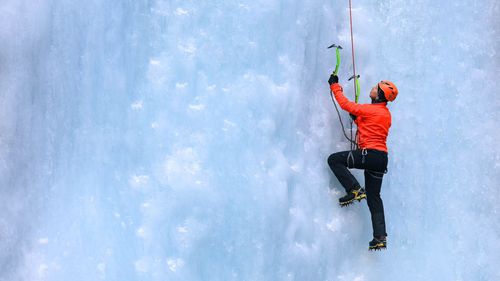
(187, 140)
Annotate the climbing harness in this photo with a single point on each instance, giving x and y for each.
(364, 153)
(350, 157)
(374, 174)
(351, 139)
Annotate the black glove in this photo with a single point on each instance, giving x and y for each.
(333, 79)
(353, 116)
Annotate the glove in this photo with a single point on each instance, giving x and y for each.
(353, 116)
(333, 79)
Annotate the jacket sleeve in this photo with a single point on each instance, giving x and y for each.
(345, 104)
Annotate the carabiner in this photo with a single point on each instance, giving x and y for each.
(364, 152)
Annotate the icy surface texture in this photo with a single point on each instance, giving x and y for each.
(187, 140)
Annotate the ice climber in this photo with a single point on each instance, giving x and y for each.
(373, 121)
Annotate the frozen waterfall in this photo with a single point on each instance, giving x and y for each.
(187, 140)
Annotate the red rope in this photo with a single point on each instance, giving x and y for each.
(352, 48)
(354, 143)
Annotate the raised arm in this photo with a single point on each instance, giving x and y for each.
(345, 104)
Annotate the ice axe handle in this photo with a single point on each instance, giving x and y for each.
(357, 87)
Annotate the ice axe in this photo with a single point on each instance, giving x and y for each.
(356, 78)
(337, 51)
(357, 90)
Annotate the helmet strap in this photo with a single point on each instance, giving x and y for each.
(380, 96)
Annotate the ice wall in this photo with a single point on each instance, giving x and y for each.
(187, 140)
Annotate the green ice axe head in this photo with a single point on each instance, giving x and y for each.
(337, 51)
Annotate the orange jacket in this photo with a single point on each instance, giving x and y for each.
(373, 120)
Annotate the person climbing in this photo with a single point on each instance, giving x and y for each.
(373, 121)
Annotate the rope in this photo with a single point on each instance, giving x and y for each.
(342, 123)
(352, 48)
(354, 144)
(352, 141)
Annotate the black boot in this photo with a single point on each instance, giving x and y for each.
(355, 194)
(378, 243)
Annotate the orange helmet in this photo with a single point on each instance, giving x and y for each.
(389, 89)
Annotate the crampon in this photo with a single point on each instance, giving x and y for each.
(377, 244)
(355, 194)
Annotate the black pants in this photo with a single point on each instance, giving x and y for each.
(374, 162)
